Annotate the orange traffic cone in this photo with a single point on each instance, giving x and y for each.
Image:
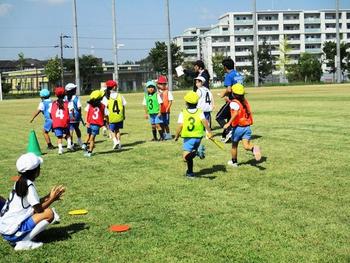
(33, 144)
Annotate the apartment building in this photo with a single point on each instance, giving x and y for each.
(306, 31)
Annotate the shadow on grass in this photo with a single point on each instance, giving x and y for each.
(114, 151)
(255, 163)
(61, 233)
(206, 172)
(124, 133)
(256, 136)
(133, 143)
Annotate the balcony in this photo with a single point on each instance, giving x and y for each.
(313, 40)
(312, 30)
(243, 53)
(193, 43)
(313, 50)
(243, 32)
(243, 63)
(243, 22)
(244, 43)
(312, 20)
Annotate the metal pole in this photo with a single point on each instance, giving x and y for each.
(115, 44)
(0, 88)
(61, 47)
(76, 47)
(170, 70)
(255, 49)
(338, 44)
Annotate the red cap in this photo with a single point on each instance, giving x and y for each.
(111, 84)
(59, 91)
(162, 80)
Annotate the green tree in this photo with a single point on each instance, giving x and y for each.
(53, 71)
(308, 69)
(218, 68)
(265, 62)
(284, 59)
(159, 57)
(330, 51)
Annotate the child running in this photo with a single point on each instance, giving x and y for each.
(96, 112)
(192, 126)
(167, 101)
(151, 102)
(60, 119)
(206, 100)
(44, 107)
(116, 115)
(24, 214)
(109, 85)
(74, 106)
(241, 119)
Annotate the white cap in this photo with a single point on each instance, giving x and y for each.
(28, 161)
(70, 86)
(201, 79)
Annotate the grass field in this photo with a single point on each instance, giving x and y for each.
(291, 207)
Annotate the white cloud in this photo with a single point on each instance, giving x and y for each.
(5, 9)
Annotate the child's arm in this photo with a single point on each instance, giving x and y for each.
(178, 131)
(169, 106)
(35, 114)
(233, 116)
(54, 195)
(146, 112)
(207, 128)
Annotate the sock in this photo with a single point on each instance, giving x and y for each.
(154, 132)
(40, 227)
(161, 134)
(115, 141)
(79, 141)
(189, 159)
(69, 142)
(60, 147)
(234, 160)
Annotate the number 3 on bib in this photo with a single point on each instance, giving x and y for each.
(96, 112)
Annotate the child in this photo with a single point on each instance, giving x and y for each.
(206, 100)
(241, 119)
(25, 215)
(191, 127)
(116, 115)
(74, 106)
(110, 84)
(60, 119)
(96, 112)
(167, 98)
(152, 102)
(44, 107)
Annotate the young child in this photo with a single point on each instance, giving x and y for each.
(241, 119)
(24, 214)
(74, 107)
(44, 107)
(110, 84)
(167, 98)
(192, 126)
(151, 102)
(60, 119)
(96, 112)
(116, 115)
(206, 100)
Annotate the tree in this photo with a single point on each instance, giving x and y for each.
(159, 57)
(218, 68)
(265, 62)
(284, 58)
(330, 51)
(308, 69)
(53, 71)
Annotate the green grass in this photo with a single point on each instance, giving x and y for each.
(292, 207)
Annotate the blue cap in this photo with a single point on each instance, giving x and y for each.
(151, 83)
(44, 93)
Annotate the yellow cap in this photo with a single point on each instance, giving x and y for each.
(238, 89)
(96, 94)
(191, 97)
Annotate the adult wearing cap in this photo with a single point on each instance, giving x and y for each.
(167, 100)
(25, 215)
(199, 71)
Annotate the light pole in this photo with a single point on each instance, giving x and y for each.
(76, 47)
(255, 48)
(115, 45)
(338, 44)
(61, 47)
(170, 70)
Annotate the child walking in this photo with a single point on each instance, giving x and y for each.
(44, 107)
(74, 106)
(151, 102)
(206, 100)
(60, 119)
(24, 214)
(167, 101)
(191, 126)
(116, 115)
(241, 119)
(96, 112)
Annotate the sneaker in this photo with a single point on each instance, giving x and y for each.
(115, 146)
(230, 163)
(168, 137)
(87, 154)
(190, 175)
(84, 146)
(257, 153)
(27, 245)
(119, 146)
(201, 151)
(50, 147)
(70, 148)
(228, 136)
(60, 151)
(56, 217)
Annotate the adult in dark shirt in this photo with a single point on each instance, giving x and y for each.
(199, 71)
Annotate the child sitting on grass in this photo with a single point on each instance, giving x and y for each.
(24, 214)
(192, 126)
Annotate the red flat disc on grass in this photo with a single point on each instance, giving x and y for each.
(119, 228)
(14, 178)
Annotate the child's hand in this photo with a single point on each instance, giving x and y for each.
(57, 192)
(226, 125)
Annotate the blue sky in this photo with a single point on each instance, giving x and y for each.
(36, 23)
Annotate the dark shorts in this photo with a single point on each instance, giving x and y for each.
(47, 125)
(73, 126)
(239, 133)
(60, 132)
(191, 144)
(93, 129)
(166, 118)
(116, 126)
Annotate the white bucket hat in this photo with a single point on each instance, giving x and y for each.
(201, 79)
(70, 86)
(27, 162)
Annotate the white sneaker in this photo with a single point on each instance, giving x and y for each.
(70, 148)
(83, 146)
(60, 151)
(119, 146)
(230, 163)
(56, 217)
(115, 145)
(27, 245)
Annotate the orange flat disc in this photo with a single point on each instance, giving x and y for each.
(119, 228)
(14, 178)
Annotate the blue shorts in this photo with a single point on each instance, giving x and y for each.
(116, 126)
(166, 118)
(207, 115)
(155, 119)
(73, 126)
(48, 125)
(60, 132)
(239, 133)
(93, 129)
(191, 144)
(25, 227)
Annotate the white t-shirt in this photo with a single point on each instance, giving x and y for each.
(19, 210)
(114, 96)
(180, 120)
(159, 99)
(206, 101)
(234, 105)
(71, 103)
(170, 95)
